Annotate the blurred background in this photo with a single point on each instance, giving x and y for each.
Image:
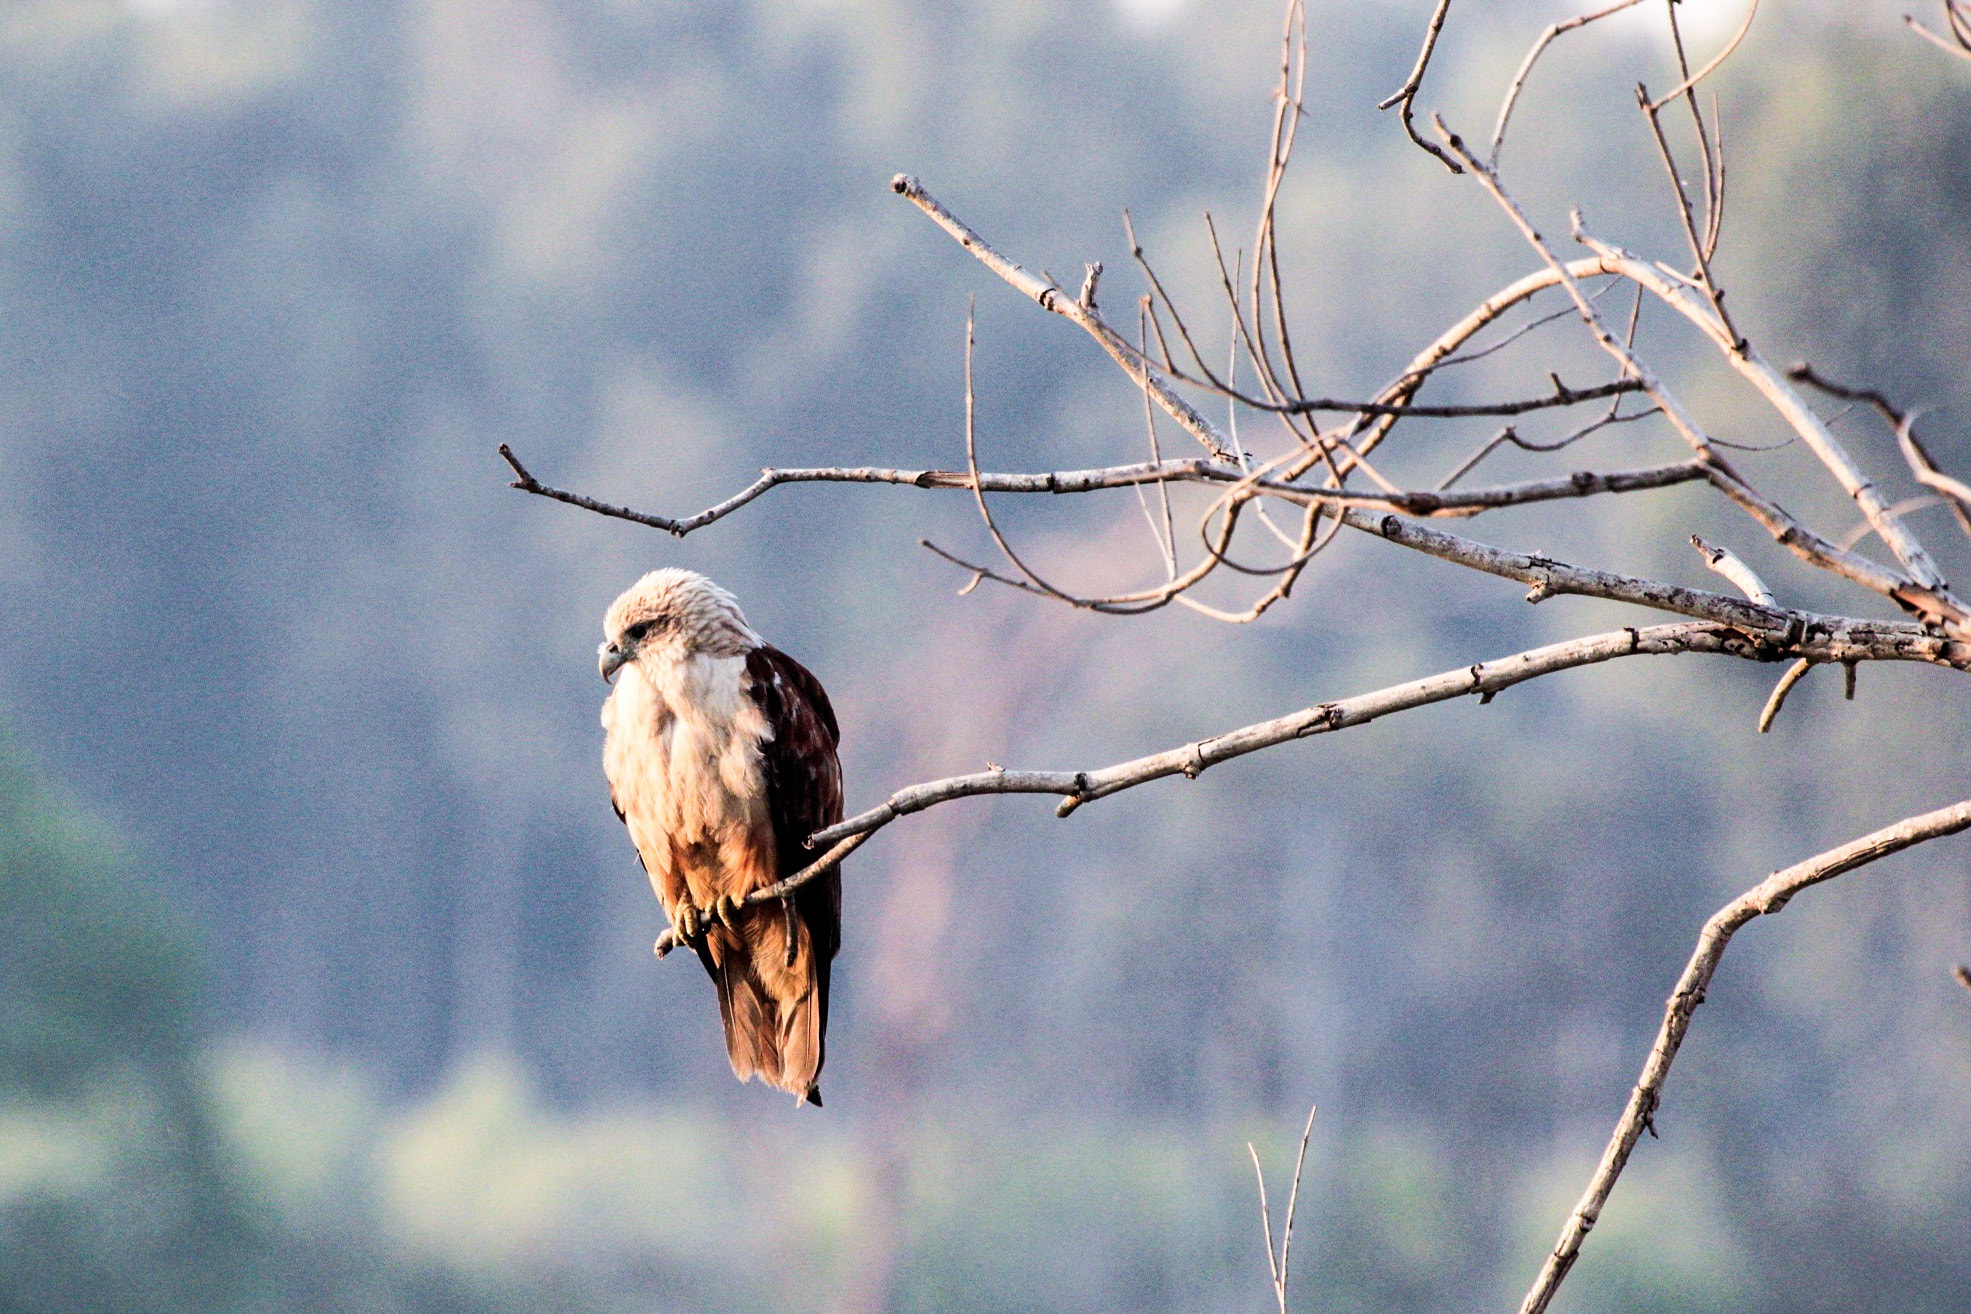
(328, 982)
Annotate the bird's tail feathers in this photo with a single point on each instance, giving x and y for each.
(774, 1017)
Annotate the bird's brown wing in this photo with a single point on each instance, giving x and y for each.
(804, 792)
(803, 773)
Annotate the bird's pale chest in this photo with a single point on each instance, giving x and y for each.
(683, 756)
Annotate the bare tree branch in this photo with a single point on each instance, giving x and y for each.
(1197, 470)
(1806, 638)
(1562, 396)
(1930, 594)
(1922, 592)
(1763, 899)
(1406, 94)
(1751, 12)
(1855, 643)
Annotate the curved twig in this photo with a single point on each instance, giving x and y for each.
(1794, 674)
(1751, 12)
(1518, 82)
(1406, 94)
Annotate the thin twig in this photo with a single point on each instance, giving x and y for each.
(1293, 1204)
(1925, 470)
(780, 889)
(1562, 395)
(1166, 537)
(1713, 174)
(1406, 94)
(1698, 242)
(1266, 1226)
(1688, 83)
(1049, 297)
(1510, 436)
(1920, 502)
(1794, 674)
(1960, 30)
(1278, 1265)
(1532, 57)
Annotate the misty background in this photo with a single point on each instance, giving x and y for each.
(329, 981)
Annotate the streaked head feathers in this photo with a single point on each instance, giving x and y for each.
(677, 612)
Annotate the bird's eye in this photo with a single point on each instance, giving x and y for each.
(636, 632)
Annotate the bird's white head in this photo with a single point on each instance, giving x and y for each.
(671, 615)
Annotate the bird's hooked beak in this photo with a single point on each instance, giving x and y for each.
(610, 658)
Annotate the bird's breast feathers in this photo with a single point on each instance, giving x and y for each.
(683, 756)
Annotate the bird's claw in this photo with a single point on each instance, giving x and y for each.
(690, 923)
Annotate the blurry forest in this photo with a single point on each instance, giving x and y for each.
(330, 982)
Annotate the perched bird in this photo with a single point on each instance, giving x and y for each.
(720, 753)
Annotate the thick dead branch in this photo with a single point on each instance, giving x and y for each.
(1763, 899)
(1855, 643)
(1550, 578)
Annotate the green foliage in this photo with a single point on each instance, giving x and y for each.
(113, 1194)
(98, 977)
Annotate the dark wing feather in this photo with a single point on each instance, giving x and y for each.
(804, 789)
(804, 775)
